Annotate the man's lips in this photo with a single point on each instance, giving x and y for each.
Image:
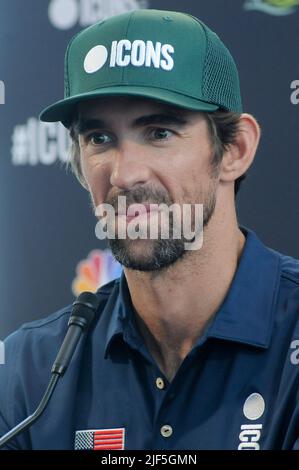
(134, 210)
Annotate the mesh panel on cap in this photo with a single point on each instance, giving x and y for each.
(66, 67)
(220, 78)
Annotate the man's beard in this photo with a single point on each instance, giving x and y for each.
(156, 254)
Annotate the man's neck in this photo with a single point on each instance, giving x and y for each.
(172, 310)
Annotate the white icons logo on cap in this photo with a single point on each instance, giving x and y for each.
(124, 52)
(95, 59)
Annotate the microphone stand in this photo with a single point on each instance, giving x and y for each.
(83, 312)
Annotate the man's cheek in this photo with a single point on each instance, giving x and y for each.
(91, 170)
(99, 188)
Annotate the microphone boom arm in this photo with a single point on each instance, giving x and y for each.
(83, 312)
(32, 418)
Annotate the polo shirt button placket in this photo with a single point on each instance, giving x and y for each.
(166, 430)
(160, 384)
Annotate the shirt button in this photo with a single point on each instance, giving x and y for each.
(160, 383)
(166, 430)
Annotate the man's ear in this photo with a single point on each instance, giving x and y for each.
(240, 155)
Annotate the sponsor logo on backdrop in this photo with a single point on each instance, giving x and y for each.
(2, 353)
(2, 92)
(295, 94)
(65, 14)
(39, 142)
(124, 52)
(99, 268)
(272, 7)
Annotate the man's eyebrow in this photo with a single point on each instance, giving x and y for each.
(161, 118)
(86, 124)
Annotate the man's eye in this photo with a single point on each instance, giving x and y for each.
(98, 138)
(161, 133)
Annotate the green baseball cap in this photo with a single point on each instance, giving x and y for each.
(168, 56)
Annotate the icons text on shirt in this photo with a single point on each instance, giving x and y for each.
(294, 358)
(250, 434)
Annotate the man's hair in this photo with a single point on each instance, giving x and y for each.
(223, 129)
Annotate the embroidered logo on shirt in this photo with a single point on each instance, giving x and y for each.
(100, 439)
(250, 434)
(294, 358)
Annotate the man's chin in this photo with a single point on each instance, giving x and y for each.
(133, 253)
(145, 254)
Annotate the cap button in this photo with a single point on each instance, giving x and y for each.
(167, 18)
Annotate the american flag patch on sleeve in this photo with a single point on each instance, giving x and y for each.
(100, 439)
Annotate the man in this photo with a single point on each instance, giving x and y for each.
(191, 348)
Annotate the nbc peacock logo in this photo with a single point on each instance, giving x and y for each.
(272, 7)
(96, 270)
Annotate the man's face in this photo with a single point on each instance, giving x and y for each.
(148, 152)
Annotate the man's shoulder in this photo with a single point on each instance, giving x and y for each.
(287, 300)
(55, 324)
(289, 267)
(29, 355)
(35, 344)
(61, 316)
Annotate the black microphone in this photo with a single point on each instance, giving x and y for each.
(83, 312)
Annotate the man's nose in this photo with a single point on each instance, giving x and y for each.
(129, 166)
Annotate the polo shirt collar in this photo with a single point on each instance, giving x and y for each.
(247, 312)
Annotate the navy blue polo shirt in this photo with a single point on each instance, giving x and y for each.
(236, 389)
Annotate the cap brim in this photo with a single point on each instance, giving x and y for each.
(64, 110)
